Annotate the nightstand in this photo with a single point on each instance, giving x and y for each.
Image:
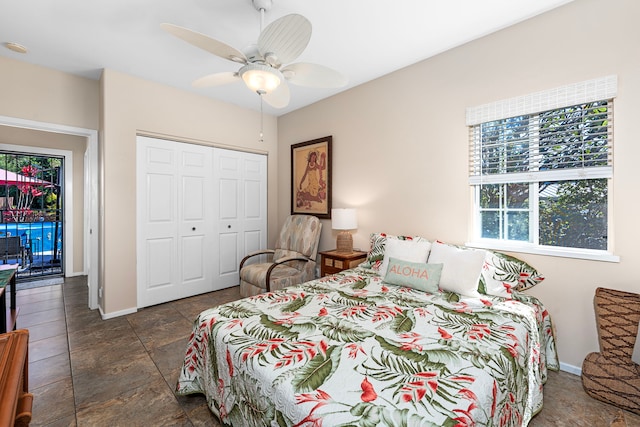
(332, 262)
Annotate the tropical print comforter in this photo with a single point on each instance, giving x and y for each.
(351, 350)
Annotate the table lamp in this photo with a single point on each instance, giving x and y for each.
(344, 220)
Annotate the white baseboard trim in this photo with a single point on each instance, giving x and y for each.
(575, 370)
(75, 274)
(117, 313)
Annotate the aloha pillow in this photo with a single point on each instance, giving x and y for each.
(415, 275)
(406, 250)
(461, 268)
(378, 242)
(501, 274)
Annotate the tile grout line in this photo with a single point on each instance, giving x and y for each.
(147, 350)
(66, 328)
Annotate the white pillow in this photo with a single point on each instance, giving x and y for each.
(405, 250)
(461, 270)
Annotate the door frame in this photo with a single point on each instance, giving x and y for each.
(91, 221)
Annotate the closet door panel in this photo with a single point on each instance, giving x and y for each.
(159, 263)
(254, 204)
(157, 223)
(227, 258)
(227, 175)
(195, 212)
(193, 263)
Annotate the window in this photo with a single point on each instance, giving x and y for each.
(540, 172)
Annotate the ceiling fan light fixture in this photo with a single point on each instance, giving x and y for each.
(261, 78)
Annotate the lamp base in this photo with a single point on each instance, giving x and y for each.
(344, 242)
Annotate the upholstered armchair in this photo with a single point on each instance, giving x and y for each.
(611, 375)
(293, 258)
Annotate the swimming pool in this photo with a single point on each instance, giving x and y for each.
(40, 235)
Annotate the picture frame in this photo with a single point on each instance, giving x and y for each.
(311, 177)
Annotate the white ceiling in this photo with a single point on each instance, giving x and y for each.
(363, 39)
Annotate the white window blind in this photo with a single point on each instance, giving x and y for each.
(572, 94)
(515, 141)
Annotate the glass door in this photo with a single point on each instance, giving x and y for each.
(31, 213)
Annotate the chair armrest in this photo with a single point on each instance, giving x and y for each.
(291, 258)
(282, 261)
(256, 253)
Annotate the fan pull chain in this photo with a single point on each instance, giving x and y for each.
(261, 139)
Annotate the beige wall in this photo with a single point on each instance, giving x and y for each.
(400, 145)
(40, 94)
(131, 106)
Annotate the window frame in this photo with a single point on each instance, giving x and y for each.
(531, 105)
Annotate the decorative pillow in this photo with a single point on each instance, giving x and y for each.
(415, 275)
(376, 249)
(406, 250)
(501, 274)
(461, 270)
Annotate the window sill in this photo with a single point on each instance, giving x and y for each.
(588, 254)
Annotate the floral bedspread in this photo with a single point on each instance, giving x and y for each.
(350, 350)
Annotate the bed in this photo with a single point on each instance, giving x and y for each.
(353, 349)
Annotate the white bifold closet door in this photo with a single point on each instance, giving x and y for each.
(199, 211)
(241, 190)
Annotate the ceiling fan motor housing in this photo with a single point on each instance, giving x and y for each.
(253, 53)
(263, 4)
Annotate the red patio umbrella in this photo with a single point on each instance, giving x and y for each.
(28, 187)
(13, 178)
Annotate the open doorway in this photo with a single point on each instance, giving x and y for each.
(31, 214)
(68, 142)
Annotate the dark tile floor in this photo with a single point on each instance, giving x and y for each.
(85, 371)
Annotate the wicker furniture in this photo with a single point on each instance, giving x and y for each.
(610, 375)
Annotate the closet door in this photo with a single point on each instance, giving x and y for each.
(195, 211)
(254, 230)
(173, 221)
(199, 211)
(240, 190)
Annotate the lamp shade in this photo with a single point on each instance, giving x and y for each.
(344, 219)
(260, 78)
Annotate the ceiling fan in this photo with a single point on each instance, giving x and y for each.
(266, 66)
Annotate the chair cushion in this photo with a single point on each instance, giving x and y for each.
(255, 274)
(300, 233)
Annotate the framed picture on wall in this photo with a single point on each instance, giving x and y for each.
(311, 177)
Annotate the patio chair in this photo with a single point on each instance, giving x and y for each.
(293, 258)
(11, 248)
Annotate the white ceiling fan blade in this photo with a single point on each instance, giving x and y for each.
(216, 79)
(279, 98)
(285, 38)
(313, 75)
(202, 41)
